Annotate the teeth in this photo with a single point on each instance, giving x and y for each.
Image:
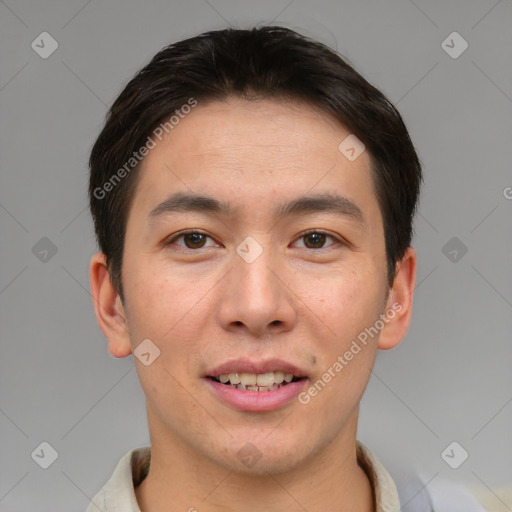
(257, 388)
(248, 379)
(278, 377)
(265, 379)
(256, 382)
(234, 378)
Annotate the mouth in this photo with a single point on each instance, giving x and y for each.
(256, 386)
(268, 381)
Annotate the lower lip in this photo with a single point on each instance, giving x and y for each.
(257, 401)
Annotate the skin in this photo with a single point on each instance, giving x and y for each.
(297, 301)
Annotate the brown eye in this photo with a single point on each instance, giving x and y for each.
(192, 240)
(316, 239)
(196, 240)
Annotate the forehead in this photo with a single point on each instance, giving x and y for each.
(250, 151)
(233, 124)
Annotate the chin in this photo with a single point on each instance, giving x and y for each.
(263, 464)
(263, 454)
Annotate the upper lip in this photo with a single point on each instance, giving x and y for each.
(253, 366)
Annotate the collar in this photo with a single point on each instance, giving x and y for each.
(384, 489)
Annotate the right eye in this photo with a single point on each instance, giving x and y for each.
(193, 239)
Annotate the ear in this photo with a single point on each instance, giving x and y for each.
(399, 303)
(108, 308)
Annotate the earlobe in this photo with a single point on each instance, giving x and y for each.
(109, 310)
(399, 304)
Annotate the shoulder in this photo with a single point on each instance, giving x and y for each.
(433, 493)
(415, 492)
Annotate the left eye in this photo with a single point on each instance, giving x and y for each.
(316, 238)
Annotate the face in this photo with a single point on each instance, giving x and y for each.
(246, 285)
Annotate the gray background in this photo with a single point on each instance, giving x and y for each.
(450, 380)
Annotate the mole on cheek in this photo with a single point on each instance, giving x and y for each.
(313, 360)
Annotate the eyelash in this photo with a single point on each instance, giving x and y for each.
(304, 234)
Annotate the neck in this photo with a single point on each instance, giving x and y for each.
(330, 479)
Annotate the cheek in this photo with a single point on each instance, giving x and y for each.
(344, 302)
(345, 353)
(168, 311)
(157, 298)
(345, 306)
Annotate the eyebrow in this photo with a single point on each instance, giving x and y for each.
(332, 203)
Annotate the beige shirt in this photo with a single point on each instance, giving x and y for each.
(118, 494)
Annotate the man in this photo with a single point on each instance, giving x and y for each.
(253, 199)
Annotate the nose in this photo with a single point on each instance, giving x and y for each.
(256, 298)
